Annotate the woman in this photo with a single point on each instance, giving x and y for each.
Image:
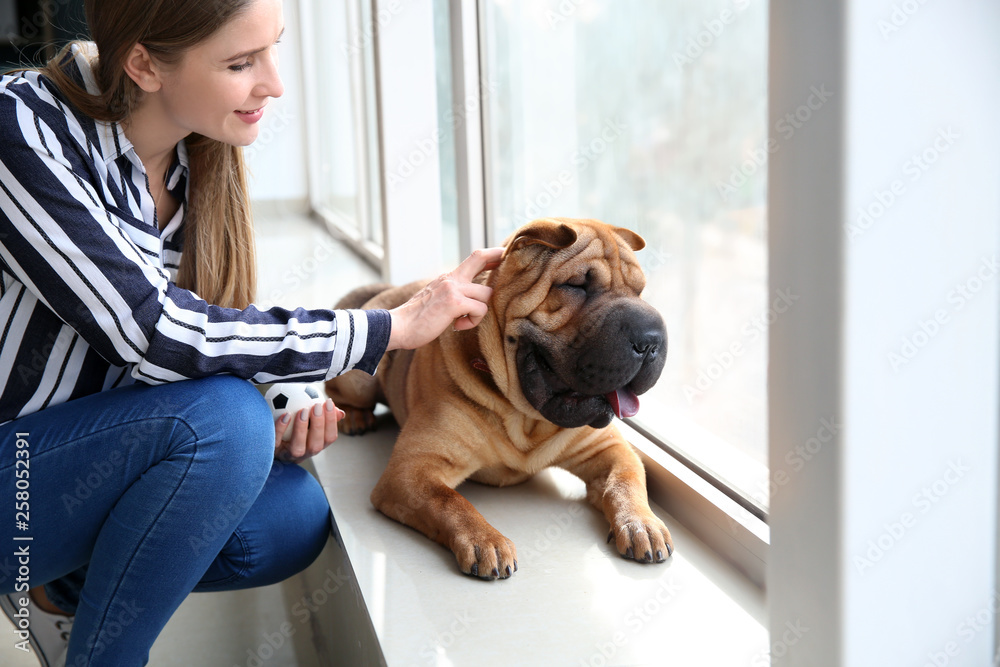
(142, 459)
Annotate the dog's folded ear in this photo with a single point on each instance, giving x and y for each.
(547, 232)
(633, 240)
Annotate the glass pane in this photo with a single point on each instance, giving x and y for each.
(347, 131)
(335, 142)
(652, 115)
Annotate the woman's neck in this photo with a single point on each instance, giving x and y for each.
(153, 137)
(154, 140)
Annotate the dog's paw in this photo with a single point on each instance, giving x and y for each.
(356, 421)
(642, 538)
(488, 556)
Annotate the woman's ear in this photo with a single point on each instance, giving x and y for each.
(140, 68)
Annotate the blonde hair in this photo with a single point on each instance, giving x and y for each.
(219, 260)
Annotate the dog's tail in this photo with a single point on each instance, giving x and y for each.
(359, 297)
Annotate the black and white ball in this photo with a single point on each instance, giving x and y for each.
(290, 397)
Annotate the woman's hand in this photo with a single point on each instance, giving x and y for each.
(313, 429)
(451, 299)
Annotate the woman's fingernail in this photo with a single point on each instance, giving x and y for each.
(318, 409)
(341, 414)
(285, 418)
(304, 415)
(329, 405)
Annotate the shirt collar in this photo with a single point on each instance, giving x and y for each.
(114, 143)
(182, 153)
(179, 169)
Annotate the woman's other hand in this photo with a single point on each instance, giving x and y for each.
(313, 430)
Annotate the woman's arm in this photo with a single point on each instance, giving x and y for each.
(69, 250)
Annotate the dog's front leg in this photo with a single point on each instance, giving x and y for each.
(418, 490)
(616, 485)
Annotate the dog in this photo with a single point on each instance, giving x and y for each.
(567, 345)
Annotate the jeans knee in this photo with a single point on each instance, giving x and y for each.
(306, 524)
(282, 534)
(230, 417)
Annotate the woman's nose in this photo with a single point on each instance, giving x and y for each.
(270, 84)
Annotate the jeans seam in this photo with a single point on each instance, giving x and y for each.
(131, 560)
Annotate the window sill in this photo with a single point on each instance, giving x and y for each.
(731, 531)
(572, 602)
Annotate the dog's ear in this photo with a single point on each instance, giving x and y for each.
(633, 240)
(546, 232)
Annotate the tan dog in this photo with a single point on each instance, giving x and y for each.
(566, 345)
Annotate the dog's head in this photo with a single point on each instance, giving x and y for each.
(578, 343)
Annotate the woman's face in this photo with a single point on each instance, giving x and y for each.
(220, 87)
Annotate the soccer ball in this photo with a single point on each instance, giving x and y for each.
(290, 397)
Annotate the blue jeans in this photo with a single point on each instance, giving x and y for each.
(139, 495)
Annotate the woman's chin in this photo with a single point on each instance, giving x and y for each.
(237, 135)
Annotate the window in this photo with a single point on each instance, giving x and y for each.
(652, 116)
(344, 164)
(647, 115)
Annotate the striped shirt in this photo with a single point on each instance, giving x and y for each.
(87, 294)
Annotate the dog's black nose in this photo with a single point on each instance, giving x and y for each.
(648, 345)
(645, 331)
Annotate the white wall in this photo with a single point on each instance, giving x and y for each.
(277, 160)
(883, 547)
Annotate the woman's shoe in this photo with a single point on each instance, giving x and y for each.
(48, 633)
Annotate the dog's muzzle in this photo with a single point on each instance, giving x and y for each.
(617, 354)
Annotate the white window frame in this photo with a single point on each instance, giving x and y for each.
(471, 155)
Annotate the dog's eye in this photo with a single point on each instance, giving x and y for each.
(577, 282)
(575, 285)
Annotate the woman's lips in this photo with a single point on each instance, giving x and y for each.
(251, 117)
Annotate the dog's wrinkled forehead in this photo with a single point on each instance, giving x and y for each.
(581, 251)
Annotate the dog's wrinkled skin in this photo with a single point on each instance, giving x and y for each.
(566, 337)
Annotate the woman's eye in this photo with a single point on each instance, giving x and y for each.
(239, 68)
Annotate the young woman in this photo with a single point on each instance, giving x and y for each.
(139, 459)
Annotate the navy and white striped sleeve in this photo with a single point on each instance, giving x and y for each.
(69, 249)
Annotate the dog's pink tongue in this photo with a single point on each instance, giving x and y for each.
(624, 402)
